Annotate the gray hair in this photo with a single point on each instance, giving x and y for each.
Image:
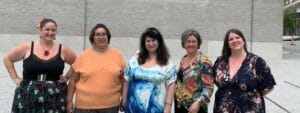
(188, 33)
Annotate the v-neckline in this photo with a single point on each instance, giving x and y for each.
(238, 71)
(191, 63)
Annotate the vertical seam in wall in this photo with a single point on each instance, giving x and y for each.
(84, 28)
(251, 27)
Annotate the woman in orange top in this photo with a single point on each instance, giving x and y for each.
(97, 76)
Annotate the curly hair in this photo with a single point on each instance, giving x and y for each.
(162, 51)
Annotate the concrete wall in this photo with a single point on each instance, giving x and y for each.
(260, 21)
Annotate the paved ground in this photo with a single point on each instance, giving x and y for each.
(284, 98)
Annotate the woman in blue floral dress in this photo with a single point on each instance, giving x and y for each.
(150, 77)
(242, 78)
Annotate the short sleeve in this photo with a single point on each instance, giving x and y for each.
(122, 62)
(128, 73)
(207, 67)
(207, 84)
(129, 70)
(215, 68)
(265, 77)
(171, 74)
(77, 63)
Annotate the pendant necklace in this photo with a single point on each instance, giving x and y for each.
(46, 51)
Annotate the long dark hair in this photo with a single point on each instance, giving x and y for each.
(226, 51)
(162, 51)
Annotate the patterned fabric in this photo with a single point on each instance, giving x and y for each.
(185, 110)
(242, 93)
(196, 83)
(147, 87)
(47, 96)
(40, 97)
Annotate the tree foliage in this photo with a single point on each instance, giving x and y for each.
(289, 23)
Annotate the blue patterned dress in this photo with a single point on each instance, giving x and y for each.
(147, 87)
(243, 92)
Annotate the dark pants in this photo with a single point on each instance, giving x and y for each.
(105, 110)
(182, 109)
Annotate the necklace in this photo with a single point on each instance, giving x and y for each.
(46, 51)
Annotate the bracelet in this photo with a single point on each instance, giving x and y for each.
(168, 103)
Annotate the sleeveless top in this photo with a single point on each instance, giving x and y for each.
(33, 66)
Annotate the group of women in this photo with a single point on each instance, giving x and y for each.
(99, 81)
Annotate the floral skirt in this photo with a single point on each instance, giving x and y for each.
(40, 97)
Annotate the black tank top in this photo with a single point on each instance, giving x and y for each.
(34, 66)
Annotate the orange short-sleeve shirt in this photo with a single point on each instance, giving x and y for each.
(101, 76)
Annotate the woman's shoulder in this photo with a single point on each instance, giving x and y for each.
(133, 58)
(85, 52)
(63, 46)
(255, 58)
(115, 50)
(133, 61)
(201, 54)
(24, 46)
(169, 65)
(204, 58)
(220, 60)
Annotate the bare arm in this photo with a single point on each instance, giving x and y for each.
(69, 57)
(169, 98)
(71, 89)
(15, 55)
(124, 93)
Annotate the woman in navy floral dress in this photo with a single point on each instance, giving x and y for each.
(242, 78)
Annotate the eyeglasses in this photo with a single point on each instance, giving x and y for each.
(100, 34)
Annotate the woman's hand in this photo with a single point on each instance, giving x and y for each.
(17, 80)
(194, 108)
(63, 78)
(69, 107)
